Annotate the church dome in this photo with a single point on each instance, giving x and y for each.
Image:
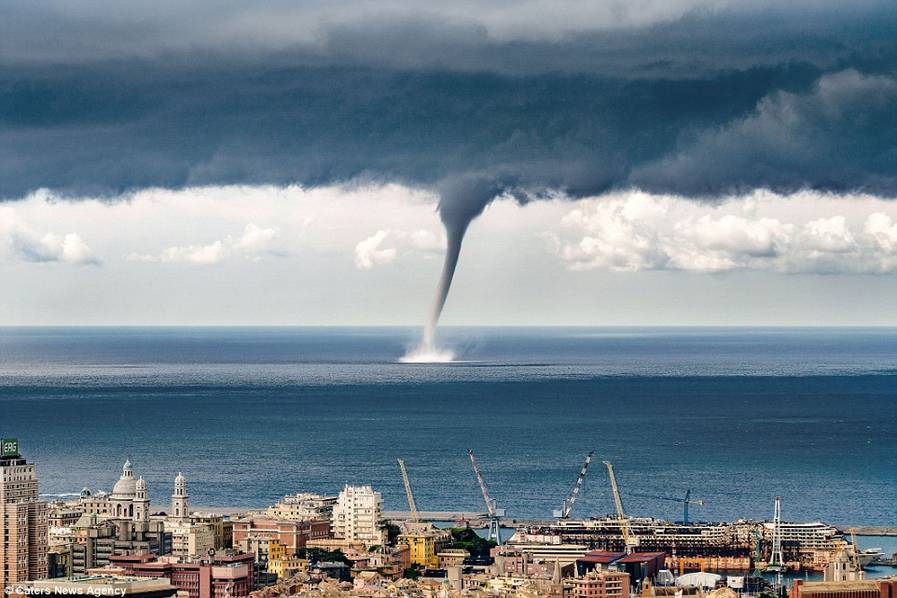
(126, 486)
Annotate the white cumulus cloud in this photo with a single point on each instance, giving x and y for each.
(385, 245)
(29, 245)
(369, 252)
(883, 231)
(253, 243)
(637, 231)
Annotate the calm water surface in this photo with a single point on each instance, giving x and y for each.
(736, 415)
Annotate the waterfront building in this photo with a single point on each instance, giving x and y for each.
(357, 516)
(601, 584)
(224, 575)
(23, 519)
(98, 585)
(304, 506)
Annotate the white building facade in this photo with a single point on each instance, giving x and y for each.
(357, 516)
(304, 506)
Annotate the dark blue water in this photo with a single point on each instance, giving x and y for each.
(737, 415)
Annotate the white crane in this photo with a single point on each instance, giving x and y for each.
(630, 540)
(494, 512)
(564, 512)
(412, 506)
(776, 562)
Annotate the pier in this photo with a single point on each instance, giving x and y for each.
(868, 530)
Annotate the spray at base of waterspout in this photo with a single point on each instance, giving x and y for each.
(428, 354)
(427, 351)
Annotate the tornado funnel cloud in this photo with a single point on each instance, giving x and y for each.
(454, 238)
(461, 201)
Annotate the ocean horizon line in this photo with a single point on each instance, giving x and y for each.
(457, 326)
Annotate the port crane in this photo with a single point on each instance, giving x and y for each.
(492, 510)
(412, 506)
(688, 500)
(564, 512)
(630, 540)
(776, 562)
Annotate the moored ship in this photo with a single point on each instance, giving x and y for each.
(740, 545)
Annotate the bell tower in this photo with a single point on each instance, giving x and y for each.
(141, 502)
(179, 508)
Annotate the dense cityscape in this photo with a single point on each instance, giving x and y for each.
(116, 543)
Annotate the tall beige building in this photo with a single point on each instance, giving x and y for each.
(23, 519)
(357, 516)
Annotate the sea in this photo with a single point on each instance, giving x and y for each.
(736, 416)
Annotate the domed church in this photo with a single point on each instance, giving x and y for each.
(128, 499)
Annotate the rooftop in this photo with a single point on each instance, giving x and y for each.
(642, 557)
(602, 557)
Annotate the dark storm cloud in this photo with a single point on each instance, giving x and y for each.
(694, 99)
(107, 129)
(838, 136)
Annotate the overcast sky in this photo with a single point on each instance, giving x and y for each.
(648, 162)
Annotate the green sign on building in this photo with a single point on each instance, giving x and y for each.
(9, 447)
